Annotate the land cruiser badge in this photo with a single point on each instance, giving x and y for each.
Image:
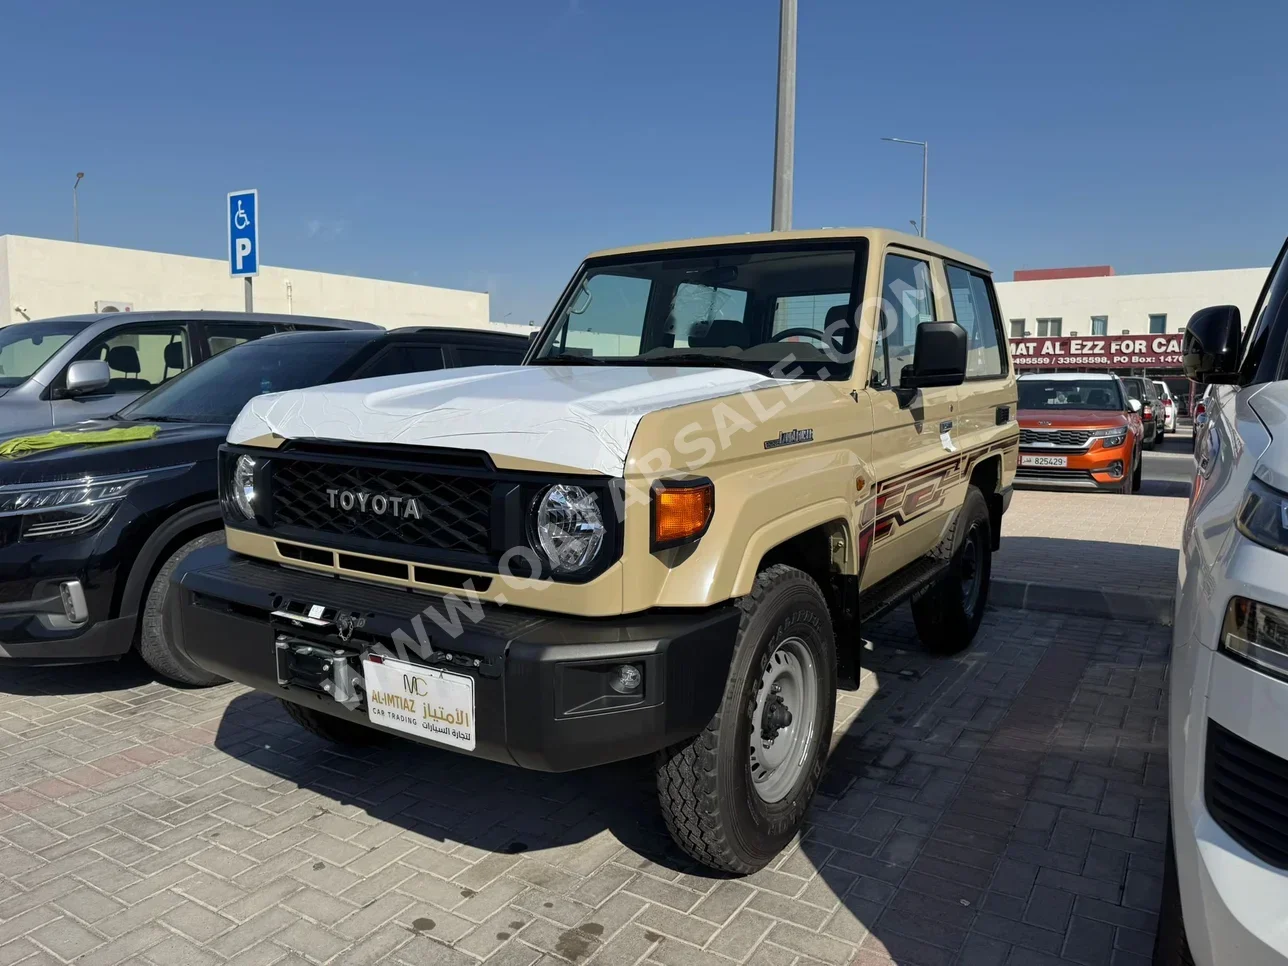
(790, 437)
(380, 504)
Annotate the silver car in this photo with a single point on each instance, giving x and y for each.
(56, 371)
(1225, 888)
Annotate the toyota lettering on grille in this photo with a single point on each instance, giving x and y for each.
(380, 504)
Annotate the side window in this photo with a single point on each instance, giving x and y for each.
(467, 355)
(1256, 336)
(221, 336)
(141, 357)
(974, 311)
(408, 357)
(906, 301)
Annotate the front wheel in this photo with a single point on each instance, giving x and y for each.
(736, 794)
(949, 612)
(1136, 475)
(1171, 948)
(156, 639)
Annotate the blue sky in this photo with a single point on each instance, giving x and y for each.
(491, 144)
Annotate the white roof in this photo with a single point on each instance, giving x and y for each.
(1070, 376)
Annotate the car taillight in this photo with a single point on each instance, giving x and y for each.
(1148, 412)
(1200, 409)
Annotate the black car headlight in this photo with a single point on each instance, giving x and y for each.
(1258, 634)
(568, 527)
(64, 508)
(1263, 514)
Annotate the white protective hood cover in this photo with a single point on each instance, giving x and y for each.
(582, 417)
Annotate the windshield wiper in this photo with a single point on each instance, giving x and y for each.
(572, 358)
(709, 360)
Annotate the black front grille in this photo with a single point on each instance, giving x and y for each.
(452, 513)
(1247, 794)
(1054, 437)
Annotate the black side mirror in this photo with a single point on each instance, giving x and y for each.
(939, 358)
(1210, 350)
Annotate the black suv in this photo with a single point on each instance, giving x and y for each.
(90, 533)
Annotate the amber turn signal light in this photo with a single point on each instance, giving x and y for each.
(681, 511)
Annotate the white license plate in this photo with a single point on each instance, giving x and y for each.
(1044, 460)
(433, 704)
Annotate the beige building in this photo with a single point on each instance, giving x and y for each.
(1059, 303)
(43, 278)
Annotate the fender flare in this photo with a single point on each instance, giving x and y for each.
(784, 528)
(136, 585)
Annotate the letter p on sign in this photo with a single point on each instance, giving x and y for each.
(243, 249)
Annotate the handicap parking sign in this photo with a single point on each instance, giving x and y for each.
(243, 233)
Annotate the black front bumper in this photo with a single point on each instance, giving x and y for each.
(538, 679)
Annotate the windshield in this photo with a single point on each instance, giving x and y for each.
(216, 390)
(26, 346)
(784, 312)
(1070, 394)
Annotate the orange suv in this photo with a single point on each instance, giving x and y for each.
(1078, 430)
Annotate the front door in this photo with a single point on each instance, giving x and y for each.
(140, 357)
(914, 449)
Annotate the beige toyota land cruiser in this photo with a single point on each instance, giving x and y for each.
(659, 535)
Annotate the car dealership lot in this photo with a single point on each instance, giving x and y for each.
(1006, 806)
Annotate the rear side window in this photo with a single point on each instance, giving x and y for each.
(221, 336)
(477, 356)
(396, 359)
(975, 312)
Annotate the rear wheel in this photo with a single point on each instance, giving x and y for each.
(735, 795)
(949, 612)
(156, 639)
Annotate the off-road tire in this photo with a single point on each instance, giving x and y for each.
(944, 623)
(1171, 948)
(155, 636)
(335, 730)
(704, 785)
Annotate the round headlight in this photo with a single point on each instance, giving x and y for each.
(569, 527)
(243, 486)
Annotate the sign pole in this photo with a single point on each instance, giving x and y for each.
(250, 298)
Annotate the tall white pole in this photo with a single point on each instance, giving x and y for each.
(925, 164)
(785, 129)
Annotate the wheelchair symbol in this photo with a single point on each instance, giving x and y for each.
(240, 219)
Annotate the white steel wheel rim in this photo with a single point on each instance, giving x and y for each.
(781, 745)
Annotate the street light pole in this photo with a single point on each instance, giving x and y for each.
(785, 128)
(76, 205)
(925, 165)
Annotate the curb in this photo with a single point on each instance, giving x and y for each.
(1082, 601)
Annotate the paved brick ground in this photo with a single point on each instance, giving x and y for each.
(1003, 807)
(1092, 541)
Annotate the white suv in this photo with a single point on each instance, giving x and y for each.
(1226, 884)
